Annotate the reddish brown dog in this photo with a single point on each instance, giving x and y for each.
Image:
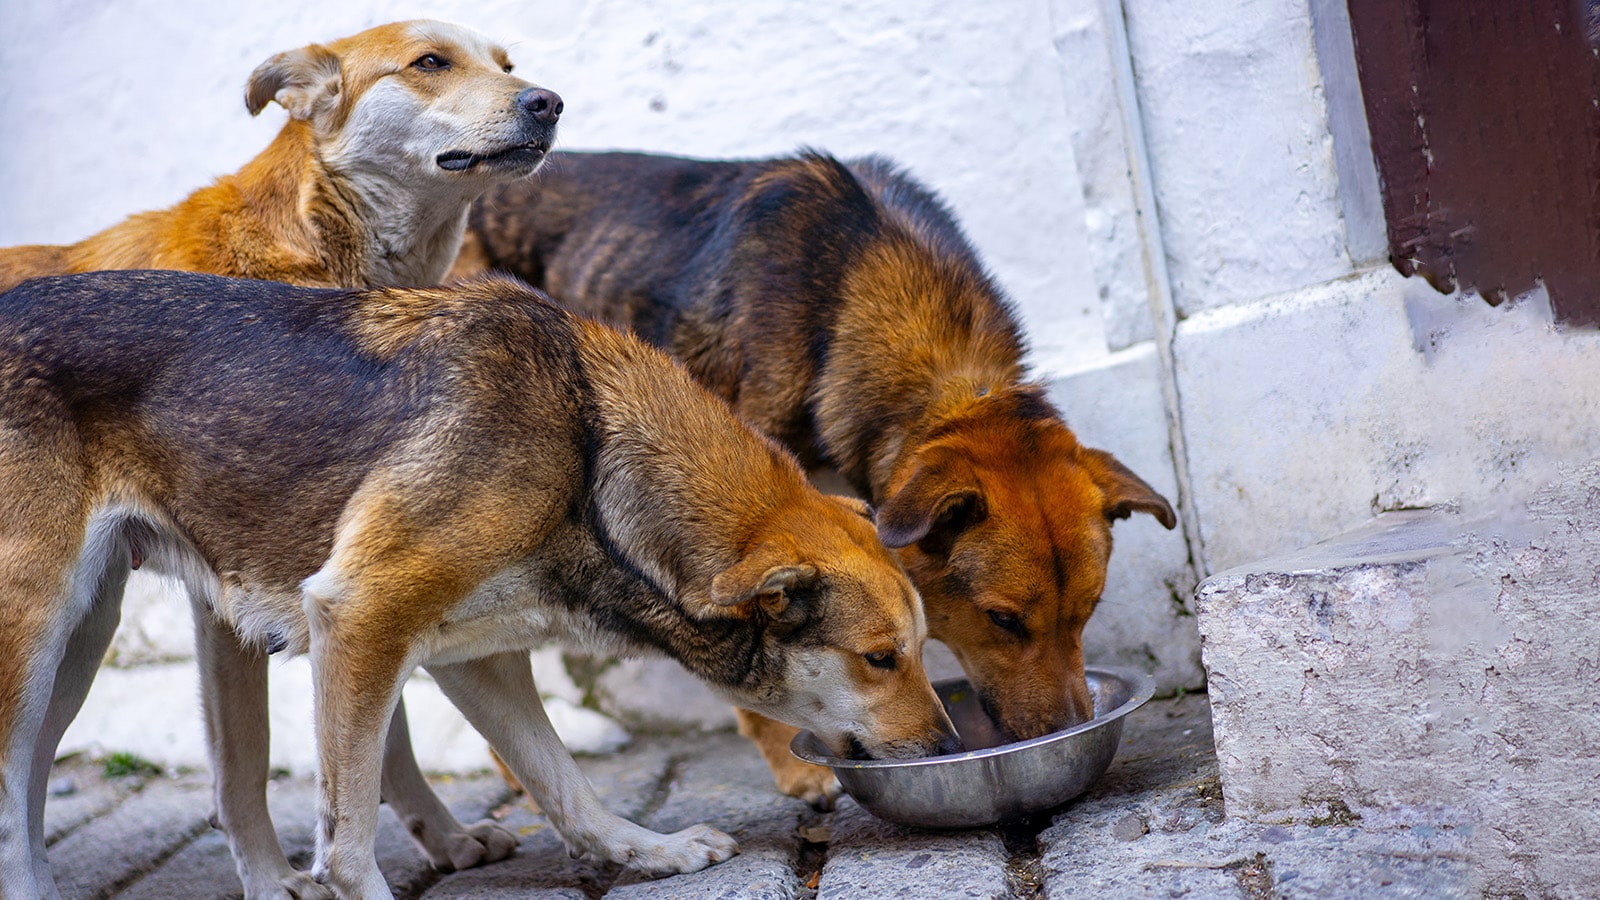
(839, 308)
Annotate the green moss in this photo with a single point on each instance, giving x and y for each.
(122, 764)
(1339, 812)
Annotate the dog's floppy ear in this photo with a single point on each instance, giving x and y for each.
(306, 82)
(768, 577)
(1126, 493)
(933, 507)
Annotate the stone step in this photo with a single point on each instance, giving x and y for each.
(1428, 669)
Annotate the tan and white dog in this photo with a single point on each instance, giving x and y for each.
(391, 134)
(446, 478)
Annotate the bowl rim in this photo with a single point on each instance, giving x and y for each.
(1144, 687)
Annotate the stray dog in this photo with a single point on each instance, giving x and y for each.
(839, 309)
(447, 478)
(391, 134)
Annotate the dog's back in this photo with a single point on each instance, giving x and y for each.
(839, 308)
(619, 235)
(743, 269)
(220, 401)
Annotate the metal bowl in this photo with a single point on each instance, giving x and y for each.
(996, 783)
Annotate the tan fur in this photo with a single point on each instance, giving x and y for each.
(301, 212)
(508, 476)
(839, 309)
(351, 192)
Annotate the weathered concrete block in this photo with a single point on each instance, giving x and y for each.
(1308, 414)
(1424, 669)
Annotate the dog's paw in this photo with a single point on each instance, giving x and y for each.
(485, 842)
(453, 848)
(299, 886)
(652, 853)
(816, 785)
(689, 850)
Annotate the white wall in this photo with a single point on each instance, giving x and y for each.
(112, 108)
(116, 107)
(1308, 393)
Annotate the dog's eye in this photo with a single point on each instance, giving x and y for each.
(431, 62)
(1008, 622)
(507, 68)
(883, 659)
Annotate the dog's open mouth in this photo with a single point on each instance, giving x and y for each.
(519, 155)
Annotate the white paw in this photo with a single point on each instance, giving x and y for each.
(300, 886)
(485, 842)
(454, 848)
(689, 850)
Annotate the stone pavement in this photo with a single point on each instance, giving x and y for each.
(1152, 827)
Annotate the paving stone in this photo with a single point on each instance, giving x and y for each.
(202, 869)
(114, 849)
(205, 867)
(869, 858)
(1165, 782)
(626, 782)
(725, 784)
(92, 795)
(147, 840)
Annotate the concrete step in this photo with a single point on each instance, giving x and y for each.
(1429, 669)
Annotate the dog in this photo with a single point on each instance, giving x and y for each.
(391, 134)
(448, 477)
(839, 309)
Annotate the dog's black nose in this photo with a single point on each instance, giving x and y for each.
(545, 106)
(949, 743)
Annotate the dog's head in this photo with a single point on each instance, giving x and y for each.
(415, 100)
(841, 634)
(1004, 521)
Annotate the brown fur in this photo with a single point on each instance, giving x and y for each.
(445, 477)
(337, 199)
(294, 213)
(839, 309)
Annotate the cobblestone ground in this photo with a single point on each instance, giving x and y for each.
(1152, 827)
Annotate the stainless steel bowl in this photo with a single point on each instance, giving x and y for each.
(998, 783)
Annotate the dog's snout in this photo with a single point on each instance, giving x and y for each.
(545, 106)
(949, 742)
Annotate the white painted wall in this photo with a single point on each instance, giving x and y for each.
(1306, 402)
(115, 107)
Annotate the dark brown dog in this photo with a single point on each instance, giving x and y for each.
(839, 309)
(446, 478)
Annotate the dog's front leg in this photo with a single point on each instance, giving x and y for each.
(233, 696)
(498, 697)
(446, 843)
(814, 784)
(358, 663)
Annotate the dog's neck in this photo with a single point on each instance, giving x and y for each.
(411, 237)
(369, 225)
(683, 485)
(869, 450)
